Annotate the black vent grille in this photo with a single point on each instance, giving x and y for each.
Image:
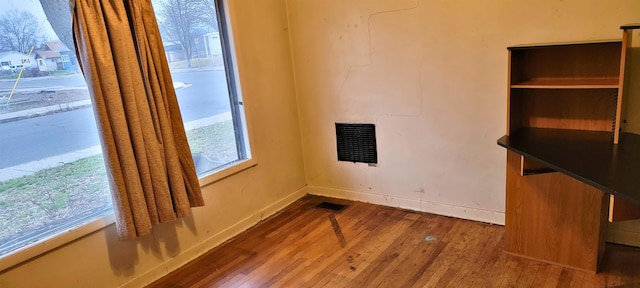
(356, 143)
(331, 206)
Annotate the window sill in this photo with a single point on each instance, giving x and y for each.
(226, 171)
(28, 252)
(43, 246)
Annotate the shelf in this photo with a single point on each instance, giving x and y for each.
(588, 156)
(594, 65)
(569, 83)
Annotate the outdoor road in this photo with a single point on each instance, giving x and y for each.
(40, 137)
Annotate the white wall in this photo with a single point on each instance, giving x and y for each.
(432, 76)
(232, 205)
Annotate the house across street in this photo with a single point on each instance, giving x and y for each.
(51, 56)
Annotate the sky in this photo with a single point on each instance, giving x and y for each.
(32, 6)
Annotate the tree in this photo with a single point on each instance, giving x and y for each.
(178, 21)
(209, 16)
(19, 31)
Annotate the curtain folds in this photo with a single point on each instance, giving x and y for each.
(149, 163)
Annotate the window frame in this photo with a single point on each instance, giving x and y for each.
(247, 157)
(244, 143)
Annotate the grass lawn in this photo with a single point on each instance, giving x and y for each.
(32, 201)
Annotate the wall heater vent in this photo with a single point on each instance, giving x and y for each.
(335, 207)
(356, 143)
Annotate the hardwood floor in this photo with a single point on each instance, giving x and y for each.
(368, 245)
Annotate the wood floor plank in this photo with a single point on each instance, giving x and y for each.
(321, 258)
(363, 254)
(384, 247)
(383, 255)
(412, 255)
(479, 242)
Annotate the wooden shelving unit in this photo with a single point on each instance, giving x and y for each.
(567, 160)
(566, 86)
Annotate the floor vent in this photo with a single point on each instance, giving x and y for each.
(331, 206)
(356, 143)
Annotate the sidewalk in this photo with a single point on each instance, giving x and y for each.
(19, 115)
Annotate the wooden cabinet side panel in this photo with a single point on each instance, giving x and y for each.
(626, 45)
(554, 218)
(514, 205)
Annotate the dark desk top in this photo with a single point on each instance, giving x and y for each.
(588, 156)
(631, 26)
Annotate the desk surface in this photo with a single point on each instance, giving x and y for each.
(588, 156)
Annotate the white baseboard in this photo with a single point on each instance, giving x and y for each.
(413, 204)
(214, 241)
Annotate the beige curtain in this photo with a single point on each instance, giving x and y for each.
(149, 164)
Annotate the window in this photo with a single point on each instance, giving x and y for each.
(64, 58)
(200, 66)
(52, 175)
